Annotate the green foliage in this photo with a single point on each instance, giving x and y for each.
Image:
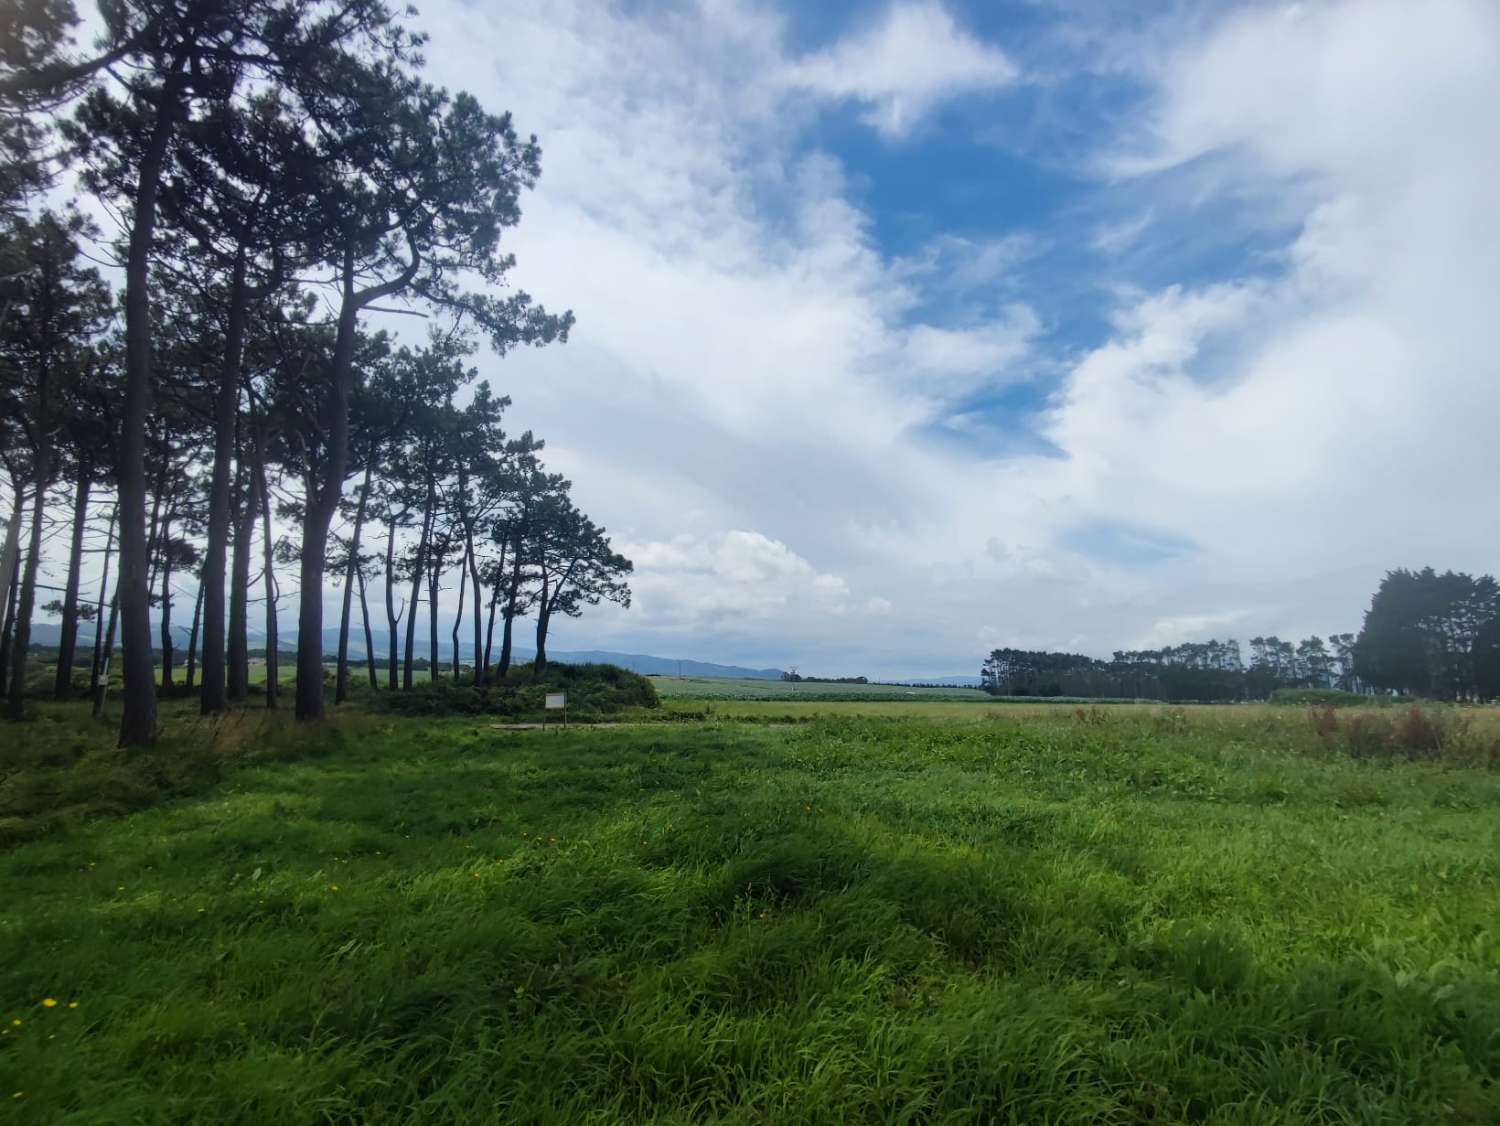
(593, 691)
(1029, 919)
(1325, 698)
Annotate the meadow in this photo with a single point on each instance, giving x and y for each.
(715, 688)
(1111, 915)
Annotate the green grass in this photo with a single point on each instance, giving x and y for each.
(716, 688)
(1150, 916)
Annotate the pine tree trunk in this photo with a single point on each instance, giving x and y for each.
(268, 548)
(8, 629)
(166, 605)
(341, 677)
(238, 658)
(510, 607)
(323, 501)
(138, 722)
(226, 412)
(67, 645)
(418, 571)
(479, 669)
(364, 613)
(434, 570)
(21, 639)
(463, 576)
(192, 653)
(101, 681)
(109, 544)
(489, 634)
(539, 664)
(392, 622)
(10, 553)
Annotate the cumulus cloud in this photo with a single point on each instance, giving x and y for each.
(911, 60)
(747, 356)
(735, 580)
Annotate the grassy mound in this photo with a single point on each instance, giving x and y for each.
(594, 692)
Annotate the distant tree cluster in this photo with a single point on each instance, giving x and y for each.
(1199, 672)
(279, 172)
(1435, 635)
(1425, 634)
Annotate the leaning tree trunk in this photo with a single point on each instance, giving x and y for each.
(341, 677)
(192, 653)
(109, 544)
(478, 602)
(489, 633)
(101, 678)
(220, 505)
(67, 644)
(9, 553)
(364, 613)
(462, 578)
(8, 627)
(238, 659)
(543, 612)
(138, 721)
(21, 641)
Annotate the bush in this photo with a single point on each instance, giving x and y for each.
(1322, 698)
(593, 691)
(1416, 733)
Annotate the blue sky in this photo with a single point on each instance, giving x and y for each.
(908, 329)
(912, 328)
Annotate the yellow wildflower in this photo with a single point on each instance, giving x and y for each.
(16, 1021)
(48, 1003)
(72, 1004)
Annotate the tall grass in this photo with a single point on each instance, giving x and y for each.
(1152, 916)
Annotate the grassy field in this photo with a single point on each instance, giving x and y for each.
(1139, 915)
(721, 688)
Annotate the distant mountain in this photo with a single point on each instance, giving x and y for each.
(48, 633)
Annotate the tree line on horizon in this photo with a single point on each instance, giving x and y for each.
(1426, 634)
(277, 173)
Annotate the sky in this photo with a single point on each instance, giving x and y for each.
(909, 330)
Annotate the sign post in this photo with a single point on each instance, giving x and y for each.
(558, 701)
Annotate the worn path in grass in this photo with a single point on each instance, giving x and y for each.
(846, 921)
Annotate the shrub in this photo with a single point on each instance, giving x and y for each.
(1090, 717)
(593, 691)
(1322, 697)
(1416, 733)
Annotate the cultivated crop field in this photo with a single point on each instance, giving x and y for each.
(1120, 915)
(716, 688)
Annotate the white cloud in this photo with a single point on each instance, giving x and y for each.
(903, 66)
(745, 398)
(732, 582)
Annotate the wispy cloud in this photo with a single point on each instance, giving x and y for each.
(912, 59)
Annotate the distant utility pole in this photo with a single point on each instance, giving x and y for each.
(679, 670)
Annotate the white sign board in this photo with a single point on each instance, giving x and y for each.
(556, 700)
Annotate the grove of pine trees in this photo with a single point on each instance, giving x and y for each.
(1425, 634)
(194, 404)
